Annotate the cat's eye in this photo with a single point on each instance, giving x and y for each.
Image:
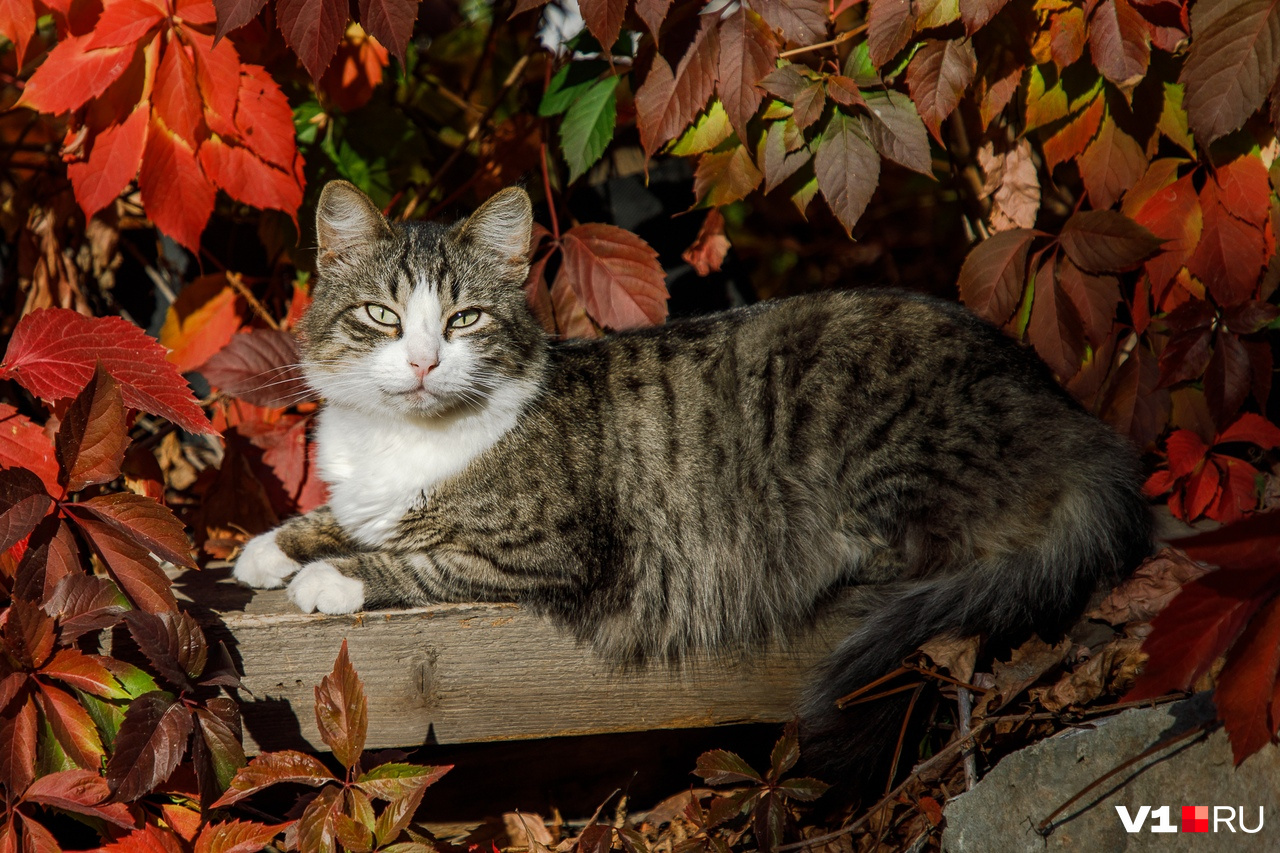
(464, 318)
(382, 315)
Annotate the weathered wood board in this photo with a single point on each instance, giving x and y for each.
(462, 673)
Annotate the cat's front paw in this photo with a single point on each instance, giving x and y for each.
(319, 586)
(262, 565)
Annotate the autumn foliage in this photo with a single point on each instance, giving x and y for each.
(1096, 177)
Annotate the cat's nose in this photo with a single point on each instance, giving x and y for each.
(423, 366)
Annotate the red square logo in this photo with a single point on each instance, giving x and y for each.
(1195, 818)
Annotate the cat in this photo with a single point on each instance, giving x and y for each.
(706, 485)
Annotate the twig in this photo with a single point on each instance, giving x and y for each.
(843, 37)
(902, 735)
(964, 707)
(889, 676)
(1200, 729)
(243, 289)
(1087, 712)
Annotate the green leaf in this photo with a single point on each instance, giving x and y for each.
(709, 130)
(587, 128)
(859, 66)
(804, 788)
(392, 781)
(569, 83)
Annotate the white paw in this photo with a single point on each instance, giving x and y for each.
(319, 586)
(262, 564)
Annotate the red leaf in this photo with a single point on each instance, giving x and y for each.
(312, 28)
(938, 76)
(151, 741)
(18, 24)
(1251, 317)
(247, 178)
(52, 555)
(1185, 451)
(35, 838)
(53, 353)
(747, 54)
(1231, 252)
(391, 23)
(896, 131)
(234, 14)
(1054, 328)
(1185, 357)
(80, 791)
(668, 100)
(317, 828)
(272, 768)
(176, 194)
(72, 726)
(392, 781)
(1133, 404)
(264, 118)
(847, 168)
(83, 672)
(603, 18)
(1118, 43)
(236, 836)
(1095, 298)
(28, 634)
(1248, 681)
(82, 603)
(176, 97)
(1200, 624)
(1202, 489)
(172, 642)
(1106, 241)
(800, 21)
(1173, 215)
(342, 711)
(23, 503)
(286, 452)
(73, 74)
(1254, 429)
(652, 12)
(994, 274)
(149, 839)
(890, 25)
(707, 252)
(260, 366)
(1239, 493)
(218, 78)
(18, 744)
(721, 767)
(1067, 36)
(149, 522)
(92, 436)
(114, 157)
(1075, 136)
(804, 92)
(976, 13)
(615, 274)
(1111, 164)
(776, 161)
(25, 445)
(1226, 379)
(132, 567)
(126, 22)
(1233, 60)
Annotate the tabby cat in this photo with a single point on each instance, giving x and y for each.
(704, 485)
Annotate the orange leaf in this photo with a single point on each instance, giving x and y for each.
(176, 96)
(73, 74)
(615, 274)
(1075, 136)
(201, 321)
(245, 177)
(25, 445)
(1111, 164)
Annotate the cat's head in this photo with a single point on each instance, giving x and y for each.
(420, 318)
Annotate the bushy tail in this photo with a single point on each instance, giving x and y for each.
(1100, 539)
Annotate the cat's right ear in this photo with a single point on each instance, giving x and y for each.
(347, 221)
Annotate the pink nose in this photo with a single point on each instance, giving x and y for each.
(423, 366)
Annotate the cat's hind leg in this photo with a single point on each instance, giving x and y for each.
(267, 560)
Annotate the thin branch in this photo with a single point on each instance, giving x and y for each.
(964, 708)
(243, 289)
(902, 736)
(843, 37)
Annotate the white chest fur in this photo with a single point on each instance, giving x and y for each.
(378, 467)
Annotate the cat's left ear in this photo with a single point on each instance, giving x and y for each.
(502, 227)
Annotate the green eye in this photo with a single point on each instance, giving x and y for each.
(464, 318)
(382, 315)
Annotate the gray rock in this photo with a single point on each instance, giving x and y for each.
(1000, 813)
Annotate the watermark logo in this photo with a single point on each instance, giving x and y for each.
(1194, 819)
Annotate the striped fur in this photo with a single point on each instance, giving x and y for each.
(709, 484)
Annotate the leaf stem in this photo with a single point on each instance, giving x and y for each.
(843, 37)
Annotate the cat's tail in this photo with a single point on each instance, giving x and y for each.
(1098, 539)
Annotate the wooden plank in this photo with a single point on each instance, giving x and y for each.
(462, 673)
